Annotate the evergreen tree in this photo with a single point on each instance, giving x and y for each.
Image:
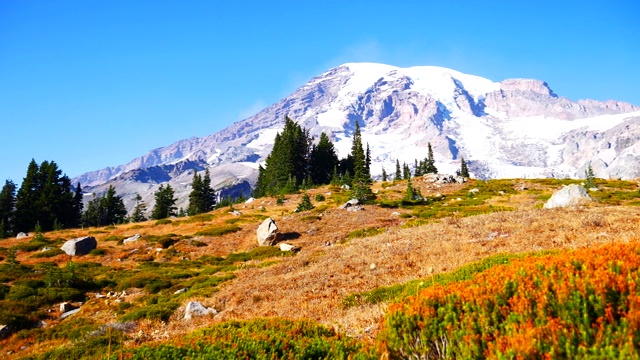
(384, 174)
(360, 183)
(430, 161)
(107, 209)
(78, 206)
(165, 203)
(305, 204)
(406, 172)
(368, 162)
(26, 214)
(139, 210)
(398, 174)
(287, 162)
(590, 177)
(7, 208)
(464, 170)
(202, 196)
(417, 170)
(323, 160)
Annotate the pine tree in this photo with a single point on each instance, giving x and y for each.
(430, 161)
(78, 206)
(360, 183)
(368, 163)
(165, 203)
(384, 174)
(26, 214)
(138, 214)
(417, 171)
(196, 196)
(406, 172)
(464, 170)
(7, 208)
(323, 160)
(107, 209)
(398, 174)
(590, 177)
(305, 204)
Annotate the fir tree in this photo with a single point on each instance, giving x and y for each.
(417, 171)
(398, 174)
(165, 203)
(107, 209)
(360, 183)
(26, 214)
(430, 161)
(196, 197)
(384, 174)
(305, 204)
(406, 172)
(590, 178)
(138, 214)
(464, 170)
(78, 206)
(323, 160)
(7, 208)
(368, 162)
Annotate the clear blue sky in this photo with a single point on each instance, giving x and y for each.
(91, 84)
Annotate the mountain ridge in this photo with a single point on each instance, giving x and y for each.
(400, 110)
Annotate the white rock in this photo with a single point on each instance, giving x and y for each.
(288, 247)
(133, 238)
(195, 308)
(570, 195)
(267, 233)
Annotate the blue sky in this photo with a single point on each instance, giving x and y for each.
(91, 84)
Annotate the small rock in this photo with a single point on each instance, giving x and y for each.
(65, 306)
(5, 330)
(570, 195)
(250, 200)
(235, 213)
(345, 187)
(350, 203)
(195, 308)
(69, 313)
(288, 247)
(181, 291)
(372, 266)
(46, 248)
(21, 235)
(133, 238)
(100, 296)
(395, 213)
(267, 233)
(474, 191)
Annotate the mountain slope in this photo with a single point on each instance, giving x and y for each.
(513, 128)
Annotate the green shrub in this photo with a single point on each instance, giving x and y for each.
(162, 222)
(366, 232)
(47, 254)
(162, 311)
(320, 197)
(218, 230)
(97, 252)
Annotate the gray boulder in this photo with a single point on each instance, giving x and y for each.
(66, 307)
(350, 203)
(133, 238)
(21, 235)
(80, 246)
(288, 247)
(69, 313)
(268, 233)
(571, 195)
(5, 331)
(195, 308)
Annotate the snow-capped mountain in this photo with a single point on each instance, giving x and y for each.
(512, 128)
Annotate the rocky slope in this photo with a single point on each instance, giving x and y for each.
(513, 128)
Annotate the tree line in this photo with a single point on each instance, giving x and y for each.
(295, 163)
(46, 200)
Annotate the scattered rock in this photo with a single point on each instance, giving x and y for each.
(80, 246)
(395, 213)
(288, 247)
(372, 266)
(66, 307)
(5, 330)
(571, 195)
(267, 233)
(235, 213)
(181, 291)
(46, 248)
(195, 308)
(69, 313)
(474, 191)
(349, 204)
(345, 187)
(133, 238)
(250, 200)
(21, 235)
(443, 179)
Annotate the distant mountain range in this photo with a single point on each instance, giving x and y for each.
(509, 129)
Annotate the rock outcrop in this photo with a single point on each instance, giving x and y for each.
(195, 308)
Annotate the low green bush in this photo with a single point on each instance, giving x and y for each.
(218, 230)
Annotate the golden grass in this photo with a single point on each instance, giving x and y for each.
(312, 284)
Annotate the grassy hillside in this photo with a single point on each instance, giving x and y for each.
(335, 296)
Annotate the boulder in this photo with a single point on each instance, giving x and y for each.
(80, 246)
(350, 203)
(195, 308)
(21, 235)
(69, 313)
(570, 195)
(267, 233)
(288, 247)
(133, 238)
(66, 307)
(5, 331)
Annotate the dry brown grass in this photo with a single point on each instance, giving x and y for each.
(312, 284)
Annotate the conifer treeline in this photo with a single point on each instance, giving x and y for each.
(295, 162)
